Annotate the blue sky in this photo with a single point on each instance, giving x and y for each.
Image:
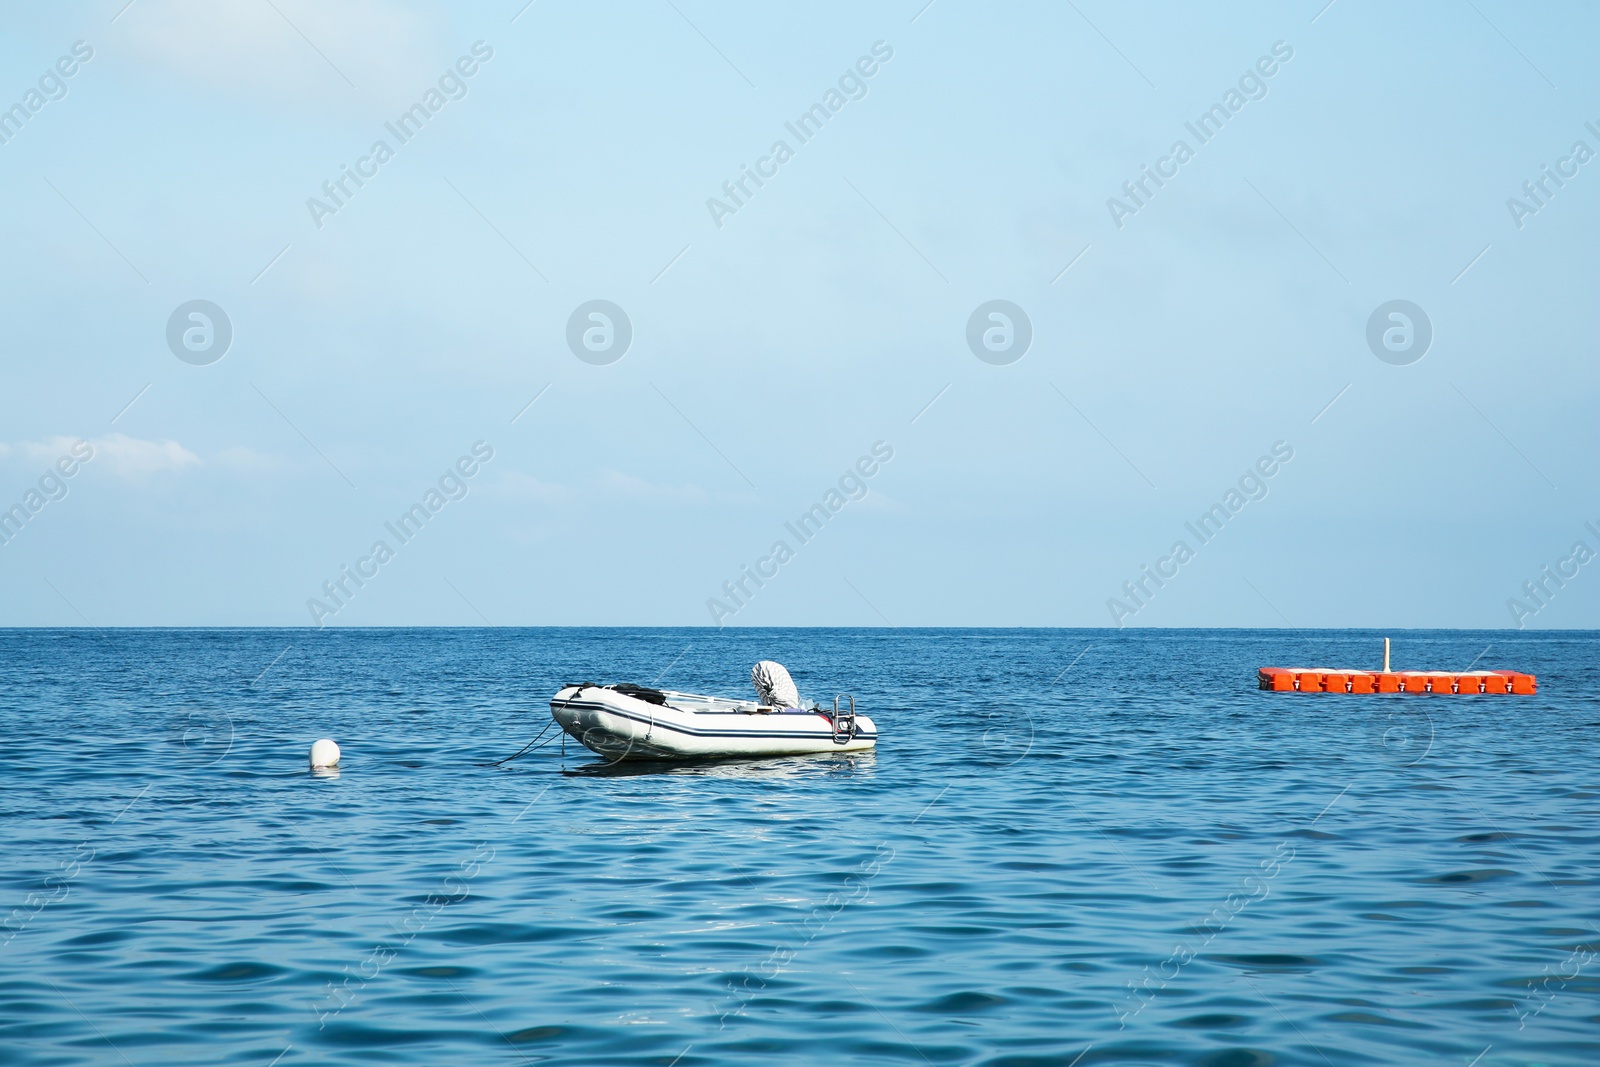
(771, 352)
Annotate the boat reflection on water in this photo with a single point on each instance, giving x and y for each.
(824, 765)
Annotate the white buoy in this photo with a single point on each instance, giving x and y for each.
(324, 754)
(1385, 655)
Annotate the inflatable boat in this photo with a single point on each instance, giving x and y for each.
(638, 723)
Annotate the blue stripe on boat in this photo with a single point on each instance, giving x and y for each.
(809, 735)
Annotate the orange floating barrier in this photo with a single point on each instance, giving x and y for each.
(1324, 680)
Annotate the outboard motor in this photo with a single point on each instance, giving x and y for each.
(774, 687)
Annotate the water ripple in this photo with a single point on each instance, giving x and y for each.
(1182, 871)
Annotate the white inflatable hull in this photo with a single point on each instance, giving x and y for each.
(688, 726)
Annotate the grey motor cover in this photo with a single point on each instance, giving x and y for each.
(774, 686)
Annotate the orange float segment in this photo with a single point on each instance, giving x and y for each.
(1308, 681)
(1275, 679)
(1336, 682)
(1361, 683)
(1387, 682)
(1521, 683)
(1496, 682)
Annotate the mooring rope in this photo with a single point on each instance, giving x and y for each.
(527, 747)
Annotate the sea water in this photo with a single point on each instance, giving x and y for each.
(1070, 847)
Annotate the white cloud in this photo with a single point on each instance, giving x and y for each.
(124, 456)
(45, 451)
(610, 484)
(877, 500)
(130, 456)
(622, 484)
(526, 485)
(249, 461)
(257, 48)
